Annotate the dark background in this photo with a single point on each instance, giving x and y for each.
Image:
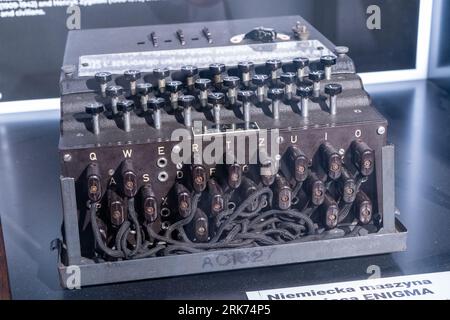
(440, 46)
(444, 54)
(31, 48)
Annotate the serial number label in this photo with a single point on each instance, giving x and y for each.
(237, 258)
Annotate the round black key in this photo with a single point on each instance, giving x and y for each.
(114, 91)
(300, 62)
(95, 108)
(174, 86)
(144, 88)
(103, 77)
(161, 73)
(132, 75)
(216, 98)
(189, 70)
(316, 76)
(186, 101)
(217, 68)
(260, 79)
(333, 89)
(245, 66)
(125, 105)
(246, 96)
(275, 94)
(273, 64)
(305, 89)
(328, 61)
(231, 82)
(288, 77)
(202, 84)
(156, 103)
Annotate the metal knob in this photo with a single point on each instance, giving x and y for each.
(156, 104)
(288, 80)
(245, 68)
(246, 97)
(189, 72)
(328, 62)
(305, 91)
(276, 94)
(144, 90)
(186, 102)
(333, 90)
(126, 106)
(103, 78)
(260, 80)
(301, 64)
(132, 76)
(217, 99)
(161, 74)
(216, 70)
(316, 77)
(94, 109)
(273, 66)
(232, 83)
(174, 87)
(114, 92)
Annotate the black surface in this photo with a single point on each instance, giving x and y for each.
(30, 206)
(439, 63)
(444, 50)
(33, 47)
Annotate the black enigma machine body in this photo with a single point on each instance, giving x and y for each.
(213, 146)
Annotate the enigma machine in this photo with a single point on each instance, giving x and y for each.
(214, 146)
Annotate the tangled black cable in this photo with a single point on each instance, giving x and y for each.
(233, 228)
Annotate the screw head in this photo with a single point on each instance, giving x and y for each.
(288, 77)
(114, 91)
(174, 86)
(333, 89)
(69, 69)
(95, 108)
(103, 77)
(305, 89)
(156, 103)
(176, 149)
(67, 157)
(328, 61)
(186, 101)
(275, 94)
(216, 98)
(125, 105)
(246, 96)
(317, 75)
(189, 70)
(231, 82)
(273, 64)
(260, 79)
(217, 68)
(381, 130)
(245, 66)
(144, 88)
(300, 62)
(132, 75)
(161, 73)
(202, 84)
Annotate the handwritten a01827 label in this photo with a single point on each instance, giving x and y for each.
(432, 286)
